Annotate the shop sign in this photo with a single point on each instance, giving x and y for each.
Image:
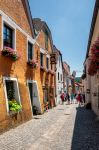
(53, 58)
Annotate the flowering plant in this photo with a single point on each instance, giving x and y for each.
(92, 68)
(94, 58)
(51, 71)
(33, 63)
(43, 68)
(9, 52)
(95, 49)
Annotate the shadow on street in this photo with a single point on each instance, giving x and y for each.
(86, 131)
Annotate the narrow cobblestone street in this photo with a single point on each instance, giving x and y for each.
(66, 127)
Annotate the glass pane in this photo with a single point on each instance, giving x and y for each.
(30, 51)
(10, 90)
(5, 30)
(4, 36)
(41, 59)
(7, 36)
(31, 91)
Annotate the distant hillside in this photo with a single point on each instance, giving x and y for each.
(78, 79)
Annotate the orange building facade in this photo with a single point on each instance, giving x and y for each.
(47, 68)
(27, 77)
(19, 80)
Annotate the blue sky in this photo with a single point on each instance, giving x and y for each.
(69, 22)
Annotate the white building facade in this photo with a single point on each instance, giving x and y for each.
(91, 81)
(59, 76)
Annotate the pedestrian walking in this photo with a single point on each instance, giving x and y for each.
(79, 99)
(68, 98)
(72, 98)
(83, 96)
(62, 97)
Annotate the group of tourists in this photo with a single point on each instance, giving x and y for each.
(73, 98)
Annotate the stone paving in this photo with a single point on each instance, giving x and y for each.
(65, 127)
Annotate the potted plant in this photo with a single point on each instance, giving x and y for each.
(43, 68)
(33, 63)
(14, 107)
(9, 52)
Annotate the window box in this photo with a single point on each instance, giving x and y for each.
(51, 71)
(9, 52)
(32, 63)
(42, 68)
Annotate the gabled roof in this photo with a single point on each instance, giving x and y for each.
(26, 2)
(55, 50)
(66, 68)
(42, 25)
(95, 13)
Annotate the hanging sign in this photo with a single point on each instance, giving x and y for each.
(53, 58)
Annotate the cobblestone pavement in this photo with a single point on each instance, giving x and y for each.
(65, 127)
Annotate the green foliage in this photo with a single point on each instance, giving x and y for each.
(14, 106)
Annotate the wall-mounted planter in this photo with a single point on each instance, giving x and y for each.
(9, 52)
(32, 63)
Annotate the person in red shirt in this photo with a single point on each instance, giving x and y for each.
(79, 99)
(62, 97)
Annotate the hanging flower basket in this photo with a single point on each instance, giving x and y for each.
(9, 52)
(33, 63)
(92, 70)
(94, 59)
(43, 68)
(95, 49)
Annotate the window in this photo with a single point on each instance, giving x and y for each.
(58, 75)
(41, 59)
(30, 51)
(46, 40)
(45, 93)
(7, 36)
(61, 77)
(11, 91)
(59, 60)
(31, 91)
(47, 63)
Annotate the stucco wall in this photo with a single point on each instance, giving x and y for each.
(17, 11)
(92, 82)
(59, 83)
